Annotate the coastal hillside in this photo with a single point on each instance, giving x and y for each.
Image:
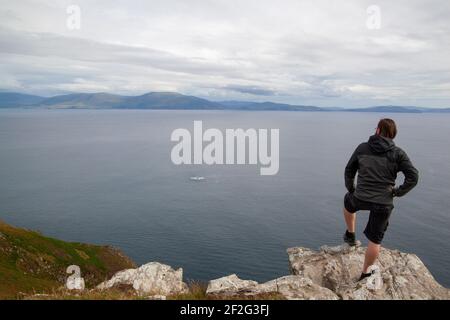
(177, 101)
(33, 266)
(31, 262)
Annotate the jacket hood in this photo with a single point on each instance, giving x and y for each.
(380, 144)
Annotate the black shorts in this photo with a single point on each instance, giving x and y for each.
(378, 218)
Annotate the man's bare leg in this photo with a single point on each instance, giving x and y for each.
(350, 220)
(372, 253)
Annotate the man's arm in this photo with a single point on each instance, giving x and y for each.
(350, 171)
(411, 175)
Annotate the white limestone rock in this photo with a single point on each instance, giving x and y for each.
(151, 278)
(403, 275)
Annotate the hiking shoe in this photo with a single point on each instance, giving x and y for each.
(366, 275)
(349, 238)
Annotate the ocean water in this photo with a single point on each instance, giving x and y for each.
(105, 177)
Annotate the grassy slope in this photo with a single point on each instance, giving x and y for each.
(31, 262)
(33, 266)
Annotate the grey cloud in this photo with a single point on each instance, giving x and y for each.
(52, 45)
(302, 52)
(258, 91)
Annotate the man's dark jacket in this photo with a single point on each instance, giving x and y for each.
(377, 162)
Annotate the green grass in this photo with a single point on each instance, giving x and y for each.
(33, 266)
(33, 263)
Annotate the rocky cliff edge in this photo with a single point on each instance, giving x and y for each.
(330, 273)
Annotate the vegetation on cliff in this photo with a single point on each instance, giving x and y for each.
(32, 263)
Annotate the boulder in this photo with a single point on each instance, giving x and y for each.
(152, 278)
(298, 288)
(230, 285)
(289, 287)
(401, 275)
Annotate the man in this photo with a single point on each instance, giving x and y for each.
(377, 162)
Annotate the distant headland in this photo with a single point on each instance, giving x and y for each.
(176, 101)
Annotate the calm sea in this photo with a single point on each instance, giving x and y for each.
(106, 177)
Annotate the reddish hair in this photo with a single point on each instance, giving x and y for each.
(387, 128)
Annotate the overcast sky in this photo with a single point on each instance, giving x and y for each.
(301, 52)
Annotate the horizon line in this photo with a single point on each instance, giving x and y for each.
(226, 100)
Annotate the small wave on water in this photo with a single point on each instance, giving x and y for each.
(197, 178)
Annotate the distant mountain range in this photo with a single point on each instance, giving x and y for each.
(174, 101)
